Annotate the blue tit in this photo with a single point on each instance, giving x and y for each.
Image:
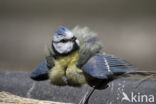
(68, 52)
(75, 58)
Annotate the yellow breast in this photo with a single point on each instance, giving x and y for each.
(65, 71)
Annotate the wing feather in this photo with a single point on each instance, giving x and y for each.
(42, 70)
(104, 65)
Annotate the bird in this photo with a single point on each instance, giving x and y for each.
(75, 57)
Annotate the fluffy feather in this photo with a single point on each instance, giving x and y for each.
(89, 45)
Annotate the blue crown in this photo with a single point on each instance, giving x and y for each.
(61, 30)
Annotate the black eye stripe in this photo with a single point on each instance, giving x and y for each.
(66, 40)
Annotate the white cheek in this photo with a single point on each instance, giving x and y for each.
(63, 47)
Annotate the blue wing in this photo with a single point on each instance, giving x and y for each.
(41, 71)
(102, 66)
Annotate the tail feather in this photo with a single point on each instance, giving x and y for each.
(140, 74)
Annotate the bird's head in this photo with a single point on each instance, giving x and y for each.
(64, 41)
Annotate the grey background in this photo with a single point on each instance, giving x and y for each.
(127, 29)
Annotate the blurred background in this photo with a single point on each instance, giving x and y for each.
(127, 29)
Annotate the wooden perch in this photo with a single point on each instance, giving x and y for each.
(8, 98)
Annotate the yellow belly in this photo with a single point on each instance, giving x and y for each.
(65, 71)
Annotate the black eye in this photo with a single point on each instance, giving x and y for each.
(59, 34)
(63, 40)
